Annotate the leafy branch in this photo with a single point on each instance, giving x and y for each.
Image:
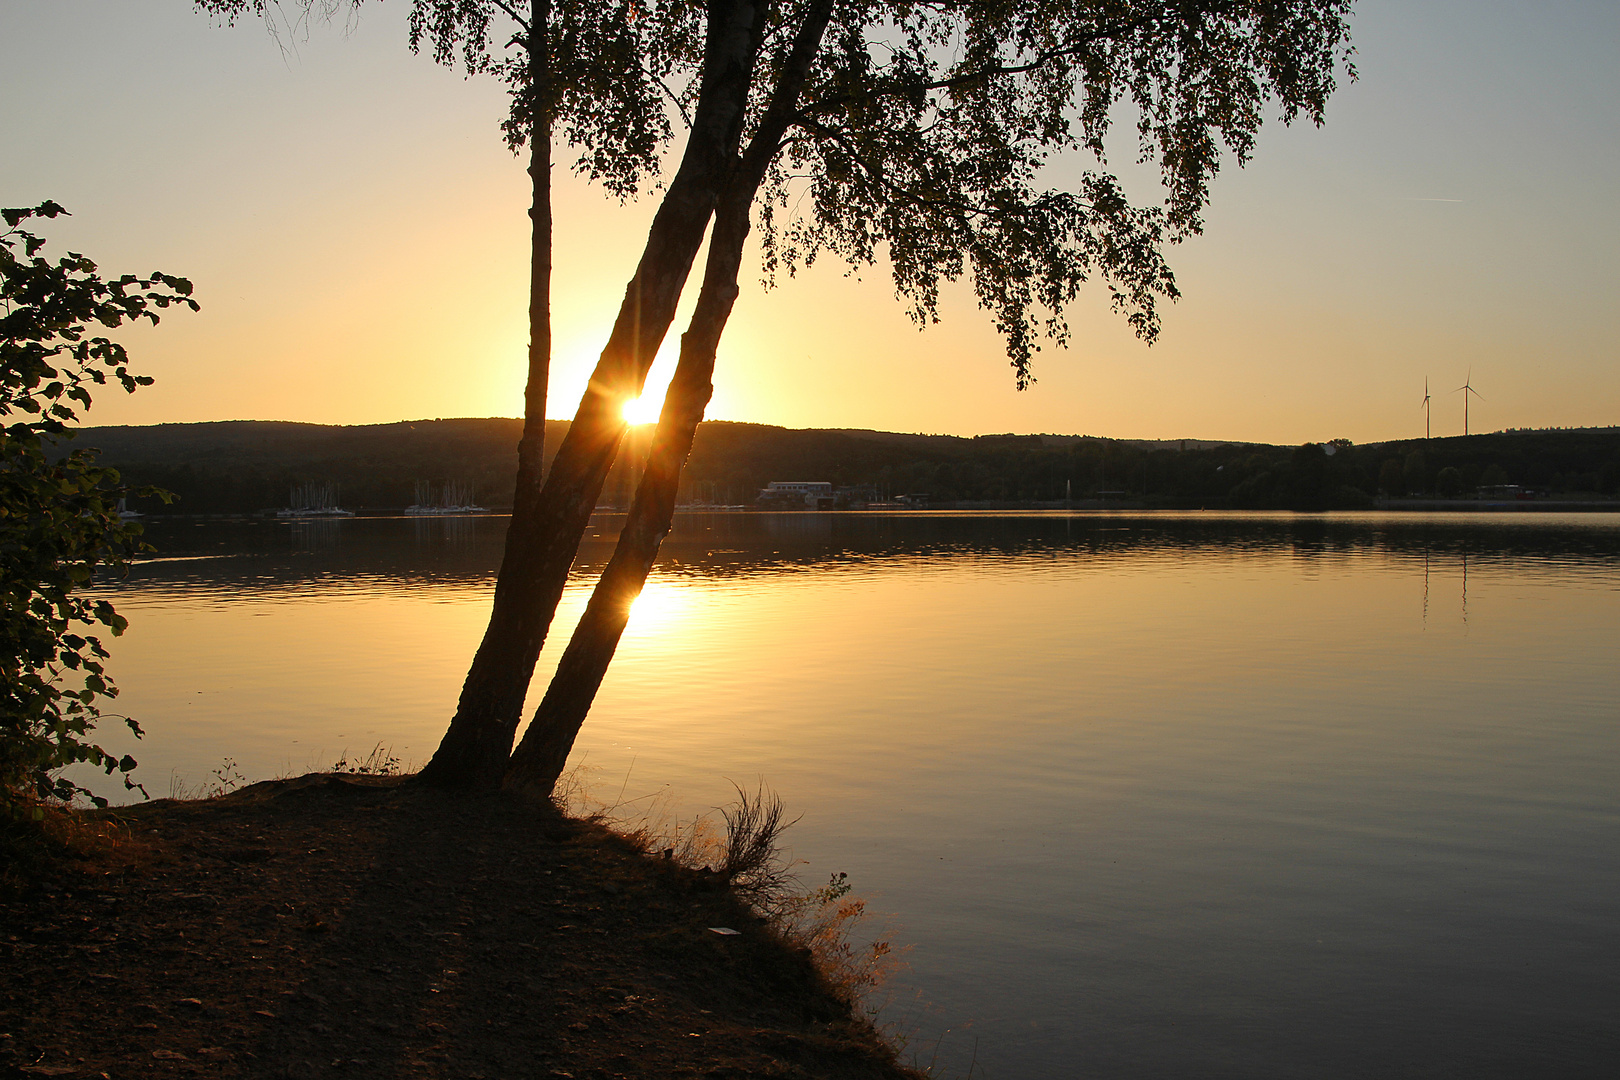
(60, 524)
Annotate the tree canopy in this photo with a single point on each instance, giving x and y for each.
(920, 131)
(929, 131)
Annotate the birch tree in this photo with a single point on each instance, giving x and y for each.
(918, 133)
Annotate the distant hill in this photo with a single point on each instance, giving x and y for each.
(243, 466)
(239, 467)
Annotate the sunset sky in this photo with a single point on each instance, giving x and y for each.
(357, 235)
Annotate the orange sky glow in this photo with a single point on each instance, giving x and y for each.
(357, 235)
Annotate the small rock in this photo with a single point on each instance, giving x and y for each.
(190, 1003)
(169, 1055)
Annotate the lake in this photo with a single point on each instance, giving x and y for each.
(1156, 795)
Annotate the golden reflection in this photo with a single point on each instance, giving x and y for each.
(660, 605)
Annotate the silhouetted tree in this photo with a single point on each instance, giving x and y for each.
(918, 130)
(1416, 472)
(937, 161)
(1392, 478)
(59, 514)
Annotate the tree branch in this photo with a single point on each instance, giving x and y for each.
(981, 75)
(674, 99)
(513, 15)
(782, 111)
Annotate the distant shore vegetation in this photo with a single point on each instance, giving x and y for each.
(249, 467)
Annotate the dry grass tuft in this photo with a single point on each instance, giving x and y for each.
(747, 854)
(753, 861)
(825, 922)
(380, 762)
(227, 778)
(647, 821)
(41, 840)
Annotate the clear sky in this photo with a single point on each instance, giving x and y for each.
(358, 238)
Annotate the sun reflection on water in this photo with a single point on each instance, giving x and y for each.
(661, 606)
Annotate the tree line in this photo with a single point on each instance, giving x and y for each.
(247, 467)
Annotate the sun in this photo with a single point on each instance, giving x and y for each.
(642, 410)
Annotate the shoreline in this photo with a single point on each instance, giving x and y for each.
(357, 926)
(1426, 506)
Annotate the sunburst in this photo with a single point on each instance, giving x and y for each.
(642, 410)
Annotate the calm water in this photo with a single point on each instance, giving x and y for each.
(1212, 796)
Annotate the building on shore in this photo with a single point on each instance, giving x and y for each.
(796, 495)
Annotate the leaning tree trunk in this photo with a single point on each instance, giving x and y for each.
(474, 750)
(541, 756)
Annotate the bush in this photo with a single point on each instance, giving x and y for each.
(59, 518)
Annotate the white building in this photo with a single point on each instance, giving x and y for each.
(810, 493)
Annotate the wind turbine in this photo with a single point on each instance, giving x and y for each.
(1425, 407)
(1465, 389)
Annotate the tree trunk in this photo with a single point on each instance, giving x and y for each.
(541, 756)
(532, 446)
(474, 750)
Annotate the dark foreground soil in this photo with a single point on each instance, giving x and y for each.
(359, 927)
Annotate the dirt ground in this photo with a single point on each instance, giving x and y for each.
(360, 927)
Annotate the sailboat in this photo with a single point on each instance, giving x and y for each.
(314, 501)
(453, 498)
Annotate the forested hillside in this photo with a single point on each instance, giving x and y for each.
(250, 466)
